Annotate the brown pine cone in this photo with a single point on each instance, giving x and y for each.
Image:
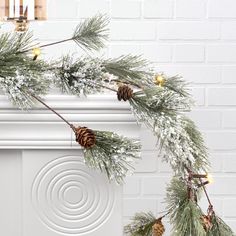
(206, 221)
(124, 92)
(85, 137)
(158, 228)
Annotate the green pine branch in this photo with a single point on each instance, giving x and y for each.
(12, 43)
(185, 215)
(18, 72)
(219, 228)
(92, 33)
(200, 151)
(79, 77)
(130, 69)
(141, 225)
(177, 84)
(113, 154)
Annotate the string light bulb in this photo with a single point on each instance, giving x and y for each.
(36, 53)
(159, 80)
(210, 178)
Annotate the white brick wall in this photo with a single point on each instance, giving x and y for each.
(195, 38)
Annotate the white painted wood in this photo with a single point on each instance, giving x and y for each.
(40, 128)
(11, 193)
(49, 190)
(64, 197)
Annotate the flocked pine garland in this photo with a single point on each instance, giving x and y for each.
(156, 100)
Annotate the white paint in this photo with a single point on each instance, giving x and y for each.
(61, 195)
(11, 186)
(42, 129)
(49, 179)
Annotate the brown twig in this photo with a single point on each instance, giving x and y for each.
(199, 176)
(189, 184)
(205, 191)
(57, 42)
(127, 83)
(51, 109)
(165, 215)
(106, 87)
(48, 44)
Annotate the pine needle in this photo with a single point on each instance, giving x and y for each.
(130, 69)
(141, 225)
(18, 72)
(113, 154)
(92, 33)
(220, 228)
(11, 43)
(177, 84)
(79, 77)
(185, 215)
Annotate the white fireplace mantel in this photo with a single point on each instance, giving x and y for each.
(39, 128)
(54, 192)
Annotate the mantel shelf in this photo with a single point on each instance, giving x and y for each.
(40, 128)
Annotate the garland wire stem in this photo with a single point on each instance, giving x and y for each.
(205, 191)
(52, 44)
(106, 87)
(57, 42)
(51, 109)
(209, 201)
(127, 83)
(48, 44)
(102, 86)
(167, 213)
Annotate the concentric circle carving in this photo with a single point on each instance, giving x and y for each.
(70, 198)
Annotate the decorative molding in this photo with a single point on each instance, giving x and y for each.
(70, 198)
(39, 128)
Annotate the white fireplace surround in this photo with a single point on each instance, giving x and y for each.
(48, 190)
(39, 128)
